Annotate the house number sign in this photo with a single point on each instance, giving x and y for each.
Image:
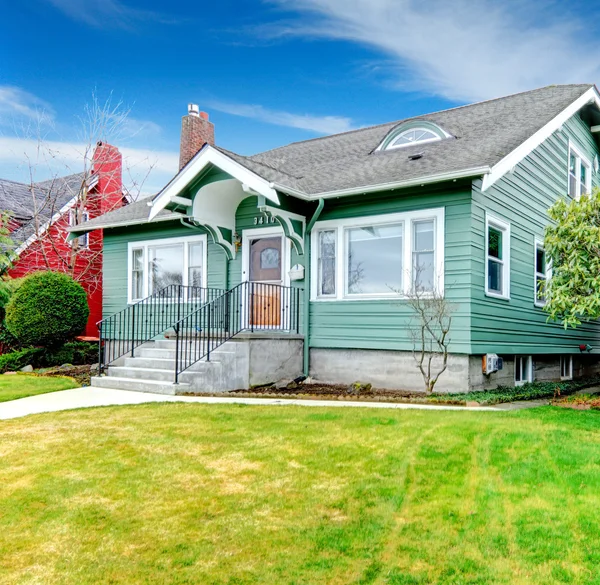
(264, 220)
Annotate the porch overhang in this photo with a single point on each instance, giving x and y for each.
(207, 156)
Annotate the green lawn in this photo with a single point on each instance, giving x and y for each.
(21, 385)
(196, 494)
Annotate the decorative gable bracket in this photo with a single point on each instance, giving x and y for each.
(293, 224)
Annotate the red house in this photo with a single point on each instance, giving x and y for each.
(41, 212)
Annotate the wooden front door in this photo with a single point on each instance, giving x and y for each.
(266, 278)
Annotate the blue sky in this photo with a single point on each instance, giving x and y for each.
(269, 72)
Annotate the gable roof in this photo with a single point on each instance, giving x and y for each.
(486, 138)
(50, 197)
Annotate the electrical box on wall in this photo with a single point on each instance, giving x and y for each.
(491, 363)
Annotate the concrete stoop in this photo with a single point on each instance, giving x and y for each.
(237, 364)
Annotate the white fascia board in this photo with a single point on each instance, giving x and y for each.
(81, 229)
(47, 225)
(519, 153)
(462, 174)
(209, 155)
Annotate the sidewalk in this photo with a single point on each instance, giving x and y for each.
(90, 396)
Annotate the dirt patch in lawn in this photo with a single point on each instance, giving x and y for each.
(82, 374)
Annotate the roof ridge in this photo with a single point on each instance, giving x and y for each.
(396, 122)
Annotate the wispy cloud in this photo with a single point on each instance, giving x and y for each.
(458, 49)
(16, 104)
(144, 170)
(103, 13)
(318, 124)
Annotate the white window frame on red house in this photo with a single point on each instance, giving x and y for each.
(83, 240)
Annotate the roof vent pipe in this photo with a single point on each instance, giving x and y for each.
(193, 110)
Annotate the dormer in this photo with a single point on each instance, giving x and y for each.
(413, 133)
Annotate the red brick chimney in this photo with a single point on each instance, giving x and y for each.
(107, 166)
(196, 131)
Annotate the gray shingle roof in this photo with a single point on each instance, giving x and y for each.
(50, 196)
(482, 134)
(131, 214)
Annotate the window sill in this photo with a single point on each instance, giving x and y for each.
(497, 296)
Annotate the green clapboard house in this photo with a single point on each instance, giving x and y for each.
(245, 270)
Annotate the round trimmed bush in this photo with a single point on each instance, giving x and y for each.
(48, 309)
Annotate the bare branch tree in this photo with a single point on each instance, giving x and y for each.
(430, 330)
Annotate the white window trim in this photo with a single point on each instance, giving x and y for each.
(407, 219)
(582, 158)
(570, 362)
(529, 368)
(392, 146)
(84, 239)
(499, 224)
(186, 240)
(539, 244)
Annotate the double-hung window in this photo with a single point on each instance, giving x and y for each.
(497, 258)
(541, 274)
(580, 173)
(382, 256)
(164, 264)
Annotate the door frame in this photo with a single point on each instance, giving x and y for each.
(286, 251)
(267, 232)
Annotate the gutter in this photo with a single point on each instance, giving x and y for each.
(307, 270)
(463, 174)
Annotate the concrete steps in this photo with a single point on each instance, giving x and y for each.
(152, 369)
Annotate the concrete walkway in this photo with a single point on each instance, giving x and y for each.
(90, 396)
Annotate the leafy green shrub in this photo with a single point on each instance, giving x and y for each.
(528, 391)
(10, 362)
(77, 353)
(8, 286)
(48, 309)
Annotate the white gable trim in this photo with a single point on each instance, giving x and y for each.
(46, 226)
(209, 155)
(519, 153)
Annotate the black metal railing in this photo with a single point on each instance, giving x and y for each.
(249, 306)
(121, 333)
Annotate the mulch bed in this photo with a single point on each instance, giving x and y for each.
(82, 374)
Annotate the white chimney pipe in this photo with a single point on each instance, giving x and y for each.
(193, 110)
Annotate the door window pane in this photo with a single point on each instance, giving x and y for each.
(165, 266)
(265, 260)
(423, 255)
(327, 262)
(374, 260)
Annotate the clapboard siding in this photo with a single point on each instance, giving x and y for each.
(385, 324)
(522, 198)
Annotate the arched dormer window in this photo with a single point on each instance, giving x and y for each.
(412, 133)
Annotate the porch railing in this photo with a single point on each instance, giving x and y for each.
(121, 333)
(249, 306)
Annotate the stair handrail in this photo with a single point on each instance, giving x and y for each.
(122, 332)
(247, 306)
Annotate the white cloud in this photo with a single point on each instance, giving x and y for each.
(459, 49)
(16, 105)
(103, 13)
(144, 170)
(318, 124)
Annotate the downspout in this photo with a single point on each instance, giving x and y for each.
(307, 270)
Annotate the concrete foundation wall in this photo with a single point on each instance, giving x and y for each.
(394, 370)
(397, 370)
(271, 360)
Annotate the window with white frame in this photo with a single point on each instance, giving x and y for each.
(523, 369)
(413, 136)
(497, 258)
(326, 263)
(77, 217)
(156, 264)
(378, 256)
(566, 367)
(541, 273)
(580, 173)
